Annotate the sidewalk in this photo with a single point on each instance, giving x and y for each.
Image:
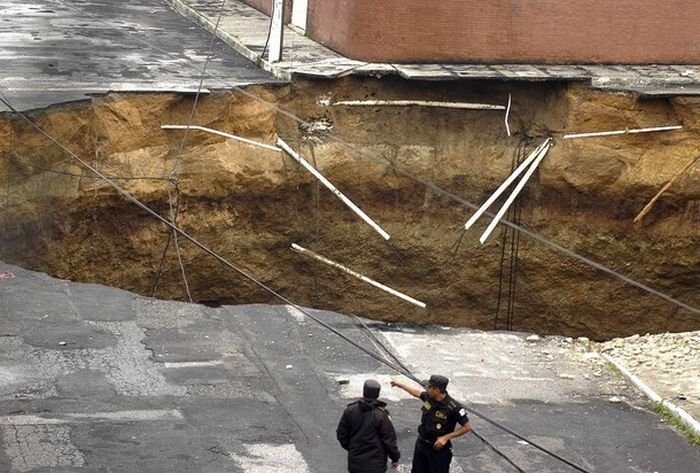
(245, 30)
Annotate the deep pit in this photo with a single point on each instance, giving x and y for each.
(250, 204)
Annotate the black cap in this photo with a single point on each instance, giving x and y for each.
(371, 389)
(438, 381)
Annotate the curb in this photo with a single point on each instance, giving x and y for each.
(679, 413)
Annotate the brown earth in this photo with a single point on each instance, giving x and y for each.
(250, 204)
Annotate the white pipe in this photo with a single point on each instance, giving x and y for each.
(621, 132)
(514, 194)
(332, 188)
(349, 271)
(505, 184)
(510, 99)
(687, 420)
(221, 133)
(421, 103)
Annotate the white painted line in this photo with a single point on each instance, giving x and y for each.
(686, 419)
(531, 157)
(221, 133)
(296, 313)
(621, 132)
(332, 188)
(132, 415)
(29, 420)
(349, 271)
(192, 364)
(420, 103)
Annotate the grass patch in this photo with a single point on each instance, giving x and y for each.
(663, 411)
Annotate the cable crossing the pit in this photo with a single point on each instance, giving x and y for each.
(399, 369)
(428, 184)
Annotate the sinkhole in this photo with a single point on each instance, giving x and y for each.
(581, 267)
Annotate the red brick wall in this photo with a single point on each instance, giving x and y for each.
(265, 6)
(552, 31)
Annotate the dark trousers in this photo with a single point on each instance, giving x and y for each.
(428, 460)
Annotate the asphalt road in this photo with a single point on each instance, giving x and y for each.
(97, 379)
(56, 51)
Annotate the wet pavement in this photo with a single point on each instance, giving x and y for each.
(98, 379)
(55, 51)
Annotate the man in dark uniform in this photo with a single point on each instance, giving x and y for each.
(365, 430)
(441, 414)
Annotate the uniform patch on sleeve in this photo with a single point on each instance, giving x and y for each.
(462, 412)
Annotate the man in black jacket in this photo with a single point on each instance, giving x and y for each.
(366, 432)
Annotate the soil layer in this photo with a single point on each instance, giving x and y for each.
(250, 204)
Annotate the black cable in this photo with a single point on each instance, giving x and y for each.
(410, 375)
(515, 248)
(269, 28)
(498, 452)
(366, 155)
(258, 283)
(317, 212)
(514, 243)
(384, 348)
(504, 234)
(515, 161)
(529, 442)
(196, 242)
(173, 177)
(82, 176)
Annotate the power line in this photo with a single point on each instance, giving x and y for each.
(18, 162)
(366, 155)
(263, 286)
(173, 177)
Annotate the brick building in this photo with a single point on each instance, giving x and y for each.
(502, 31)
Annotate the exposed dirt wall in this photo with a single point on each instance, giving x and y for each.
(250, 204)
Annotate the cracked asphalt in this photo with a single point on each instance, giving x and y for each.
(97, 379)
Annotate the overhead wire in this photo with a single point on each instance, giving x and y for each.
(260, 284)
(555, 246)
(18, 162)
(416, 179)
(390, 354)
(269, 29)
(366, 155)
(173, 176)
(427, 184)
(510, 238)
(409, 374)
